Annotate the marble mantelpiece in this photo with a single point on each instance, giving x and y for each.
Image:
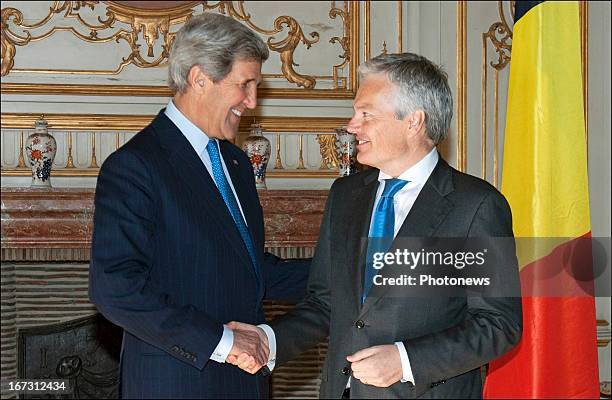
(56, 224)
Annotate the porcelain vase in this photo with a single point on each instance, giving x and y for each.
(346, 148)
(41, 148)
(257, 148)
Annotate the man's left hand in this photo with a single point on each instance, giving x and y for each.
(379, 366)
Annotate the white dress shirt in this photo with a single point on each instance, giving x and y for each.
(403, 201)
(199, 140)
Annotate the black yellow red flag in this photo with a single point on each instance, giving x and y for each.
(545, 180)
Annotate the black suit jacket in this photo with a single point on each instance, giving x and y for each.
(169, 265)
(447, 338)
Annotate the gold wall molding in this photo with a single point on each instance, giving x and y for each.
(93, 172)
(461, 85)
(302, 173)
(154, 25)
(499, 35)
(366, 28)
(77, 122)
(133, 123)
(400, 27)
(345, 43)
(162, 91)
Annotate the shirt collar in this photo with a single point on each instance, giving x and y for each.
(195, 136)
(419, 172)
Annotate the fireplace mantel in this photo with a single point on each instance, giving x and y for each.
(56, 224)
(46, 240)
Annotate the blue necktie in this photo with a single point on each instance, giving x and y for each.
(381, 234)
(230, 199)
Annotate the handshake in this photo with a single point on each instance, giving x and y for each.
(250, 351)
(379, 366)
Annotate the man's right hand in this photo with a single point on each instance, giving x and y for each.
(250, 350)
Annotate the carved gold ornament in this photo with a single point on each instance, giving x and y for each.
(9, 42)
(285, 47)
(500, 35)
(129, 22)
(151, 23)
(327, 147)
(344, 41)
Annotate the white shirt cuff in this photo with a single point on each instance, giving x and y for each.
(271, 345)
(224, 347)
(406, 368)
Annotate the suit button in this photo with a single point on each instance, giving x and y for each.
(346, 371)
(359, 324)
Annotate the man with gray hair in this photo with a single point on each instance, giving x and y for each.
(178, 236)
(387, 343)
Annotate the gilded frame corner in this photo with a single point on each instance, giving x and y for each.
(134, 16)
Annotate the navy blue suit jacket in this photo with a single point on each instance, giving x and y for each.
(170, 267)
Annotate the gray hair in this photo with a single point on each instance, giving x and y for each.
(213, 42)
(421, 85)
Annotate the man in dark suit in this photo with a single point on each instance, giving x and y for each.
(394, 344)
(178, 229)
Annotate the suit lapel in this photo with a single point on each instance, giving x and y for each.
(248, 207)
(189, 167)
(356, 224)
(429, 210)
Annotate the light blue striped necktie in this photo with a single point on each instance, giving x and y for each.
(230, 199)
(381, 234)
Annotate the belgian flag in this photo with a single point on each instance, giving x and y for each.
(545, 180)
